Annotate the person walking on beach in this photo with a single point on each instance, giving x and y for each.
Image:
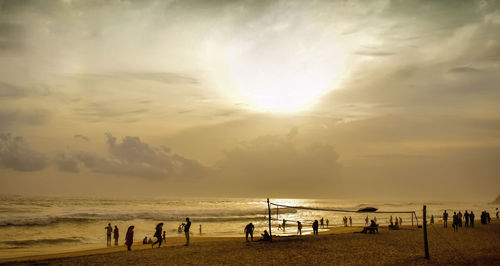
(321, 222)
(315, 227)
(466, 217)
(366, 220)
(471, 219)
(299, 227)
(445, 219)
(129, 237)
(158, 231)
(249, 231)
(109, 230)
(350, 221)
(116, 234)
(186, 231)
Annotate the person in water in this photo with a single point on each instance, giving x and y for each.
(159, 230)
(249, 231)
(186, 231)
(116, 235)
(129, 237)
(109, 230)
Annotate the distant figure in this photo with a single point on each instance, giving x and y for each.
(158, 231)
(345, 221)
(432, 219)
(164, 236)
(150, 241)
(466, 217)
(459, 215)
(445, 219)
(497, 213)
(265, 236)
(366, 220)
(488, 216)
(471, 219)
(145, 240)
(299, 227)
(375, 219)
(186, 231)
(116, 234)
(129, 237)
(315, 227)
(200, 229)
(483, 217)
(279, 227)
(390, 220)
(400, 221)
(328, 222)
(180, 228)
(284, 225)
(370, 229)
(109, 230)
(455, 222)
(249, 231)
(321, 222)
(350, 221)
(397, 222)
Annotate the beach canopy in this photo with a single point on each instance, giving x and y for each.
(368, 209)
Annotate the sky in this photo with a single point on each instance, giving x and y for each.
(393, 100)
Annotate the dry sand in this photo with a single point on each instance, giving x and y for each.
(480, 245)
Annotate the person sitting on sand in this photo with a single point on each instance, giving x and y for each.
(249, 231)
(299, 227)
(129, 237)
(145, 240)
(265, 236)
(315, 226)
(158, 231)
(109, 230)
(373, 227)
(116, 234)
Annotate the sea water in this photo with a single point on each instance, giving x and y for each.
(39, 225)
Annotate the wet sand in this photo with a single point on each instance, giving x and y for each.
(338, 246)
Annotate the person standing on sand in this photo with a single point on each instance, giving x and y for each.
(459, 215)
(129, 237)
(321, 222)
(328, 222)
(350, 220)
(186, 231)
(249, 231)
(432, 219)
(400, 221)
(375, 219)
(390, 219)
(284, 225)
(445, 219)
(116, 234)
(455, 222)
(315, 227)
(466, 217)
(471, 219)
(158, 231)
(366, 220)
(109, 230)
(299, 227)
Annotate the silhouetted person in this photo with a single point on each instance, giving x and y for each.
(459, 215)
(249, 231)
(366, 220)
(116, 235)
(466, 217)
(109, 230)
(375, 219)
(471, 219)
(284, 225)
(158, 231)
(400, 221)
(345, 221)
(315, 227)
(145, 240)
(265, 236)
(129, 237)
(200, 229)
(445, 219)
(455, 222)
(497, 214)
(432, 219)
(164, 235)
(186, 231)
(328, 222)
(150, 241)
(390, 220)
(350, 220)
(299, 227)
(483, 217)
(321, 222)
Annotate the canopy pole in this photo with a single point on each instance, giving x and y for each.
(269, 210)
(426, 244)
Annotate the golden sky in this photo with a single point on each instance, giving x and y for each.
(339, 99)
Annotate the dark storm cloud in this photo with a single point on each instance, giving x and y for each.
(15, 154)
(132, 157)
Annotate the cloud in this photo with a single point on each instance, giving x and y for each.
(15, 154)
(67, 164)
(8, 90)
(132, 157)
(82, 137)
(464, 70)
(31, 117)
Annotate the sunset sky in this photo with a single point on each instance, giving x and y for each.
(339, 99)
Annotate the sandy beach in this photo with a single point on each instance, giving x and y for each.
(338, 246)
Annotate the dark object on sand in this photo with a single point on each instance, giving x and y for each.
(368, 209)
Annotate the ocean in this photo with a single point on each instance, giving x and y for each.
(41, 225)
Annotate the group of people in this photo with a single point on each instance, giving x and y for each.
(159, 234)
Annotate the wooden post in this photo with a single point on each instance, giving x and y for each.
(426, 245)
(412, 219)
(269, 209)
